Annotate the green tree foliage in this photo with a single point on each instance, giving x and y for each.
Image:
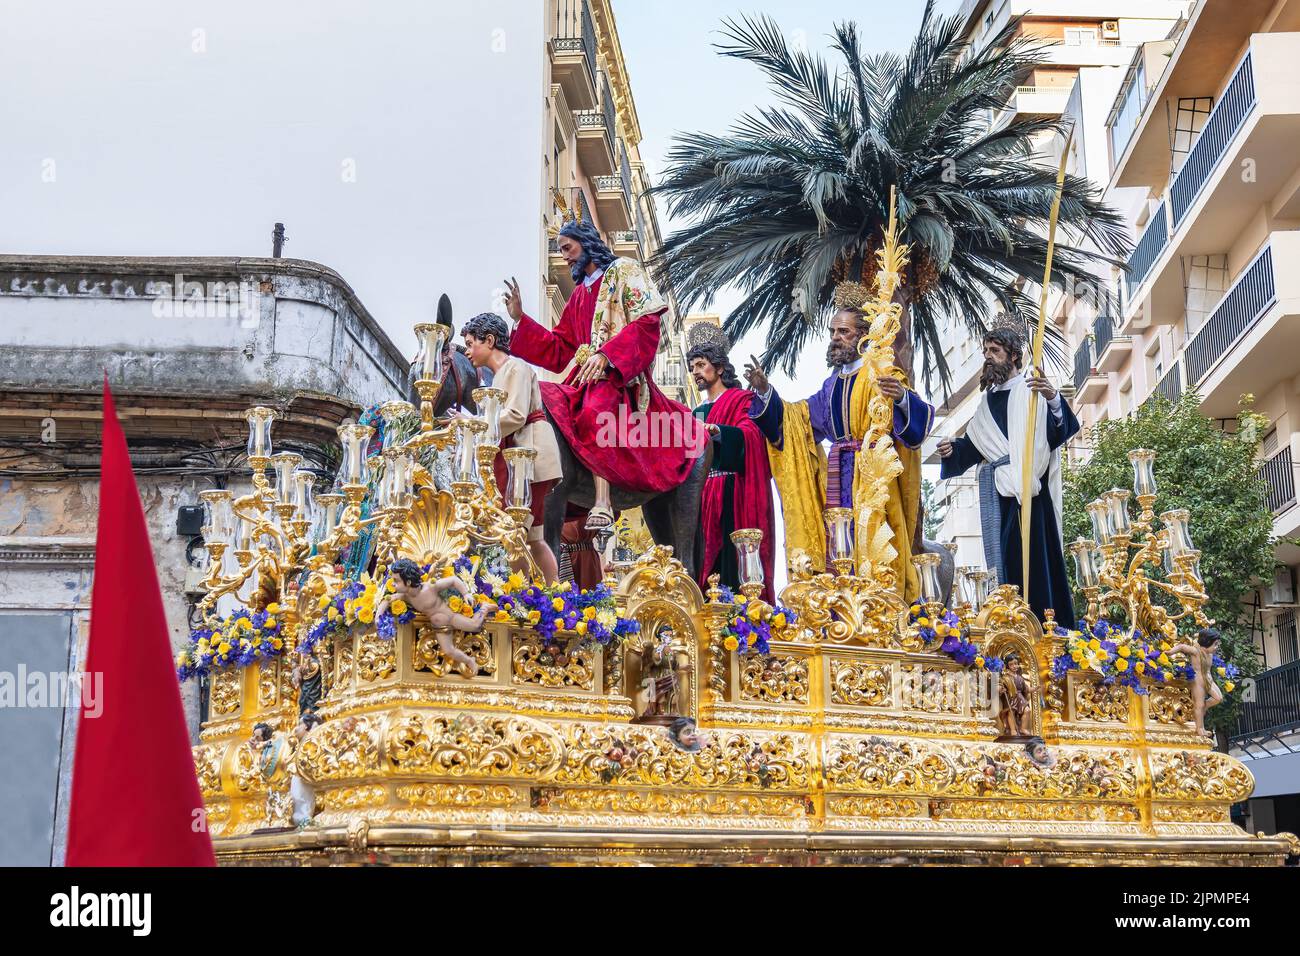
(1212, 473)
(793, 198)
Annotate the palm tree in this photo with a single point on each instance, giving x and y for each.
(793, 199)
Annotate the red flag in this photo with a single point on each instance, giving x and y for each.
(135, 796)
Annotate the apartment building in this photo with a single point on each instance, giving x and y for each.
(1087, 48)
(1204, 136)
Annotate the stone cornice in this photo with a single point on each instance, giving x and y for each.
(612, 52)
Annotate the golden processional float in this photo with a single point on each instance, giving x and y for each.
(841, 727)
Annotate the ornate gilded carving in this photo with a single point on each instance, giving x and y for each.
(875, 808)
(774, 679)
(588, 800)
(1171, 705)
(469, 746)
(427, 657)
(352, 798)
(376, 657)
(842, 609)
(225, 694)
(339, 750)
(657, 575)
(1199, 775)
(1034, 810)
(1105, 703)
(268, 684)
(861, 683)
(457, 795)
(345, 655)
(535, 664)
(431, 534)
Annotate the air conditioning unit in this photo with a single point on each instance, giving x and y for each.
(1110, 29)
(1282, 592)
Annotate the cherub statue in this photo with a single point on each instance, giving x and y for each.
(685, 735)
(1015, 713)
(1205, 692)
(426, 597)
(1036, 750)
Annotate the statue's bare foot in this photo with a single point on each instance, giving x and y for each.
(467, 668)
(599, 518)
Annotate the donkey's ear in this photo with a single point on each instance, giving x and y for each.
(444, 311)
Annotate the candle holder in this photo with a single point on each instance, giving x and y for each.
(1144, 481)
(927, 570)
(429, 370)
(218, 530)
(390, 412)
(489, 401)
(518, 492)
(259, 420)
(329, 505)
(1099, 516)
(304, 505)
(839, 539)
(748, 542)
(354, 471)
(1117, 513)
(466, 479)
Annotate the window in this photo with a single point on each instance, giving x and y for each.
(1192, 114)
(1080, 36)
(1288, 644)
(1206, 279)
(1132, 100)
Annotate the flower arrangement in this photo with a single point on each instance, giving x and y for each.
(237, 640)
(953, 635)
(753, 624)
(591, 616)
(1126, 657)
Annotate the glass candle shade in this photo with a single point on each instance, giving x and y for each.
(965, 584)
(839, 533)
(390, 412)
(927, 569)
(219, 517)
(329, 513)
(1085, 565)
(1117, 510)
(428, 361)
(489, 402)
(259, 431)
(1180, 539)
(748, 542)
(1144, 479)
(285, 464)
(469, 432)
(1099, 515)
(395, 489)
(518, 492)
(354, 470)
(978, 586)
(304, 486)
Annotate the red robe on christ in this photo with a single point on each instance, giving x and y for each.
(599, 420)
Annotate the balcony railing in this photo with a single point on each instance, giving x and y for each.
(1278, 473)
(575, 31)
(1224, 120)
(1083, 364)
(1248, 299)
(1276, 705)
(1148, 249)
(1171, 383)
(1103, 330)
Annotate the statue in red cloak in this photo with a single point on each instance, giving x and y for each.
(613, 417)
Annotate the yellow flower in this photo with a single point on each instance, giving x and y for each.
(581, 627)
(323, 601)
(730, 643)
(392, 585)
(276, 643)
(333, 613)
(270, 622)
(448, 571)
(755, 613)
(1077, 655)
(1163, 658)
(1220, 671)
(750, 638)
(1167, 675)
(738, 599)
(1139, 667)
(366, 616)
(534, 616)
(557, 603)
(398, 607)
(455, 604)
(514, 582)
(979, 661)
(1103, 655)
(1124, 650)
(503, 616)
(1121, 664)
(273, 608)
(1095, 644)
(778, 620)
(589, 612)
(223, 648)
(923, 621)
(1228, 686)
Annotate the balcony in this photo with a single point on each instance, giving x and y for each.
(1171, 383)
(1089, 384)
(1278, 473)
(573, 53)
(613, 203)
(1244, 161)
(596, 128)
(1096, 52)
(1250, 341)
(1273, 713)
(1111, 349)
(625, 243)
